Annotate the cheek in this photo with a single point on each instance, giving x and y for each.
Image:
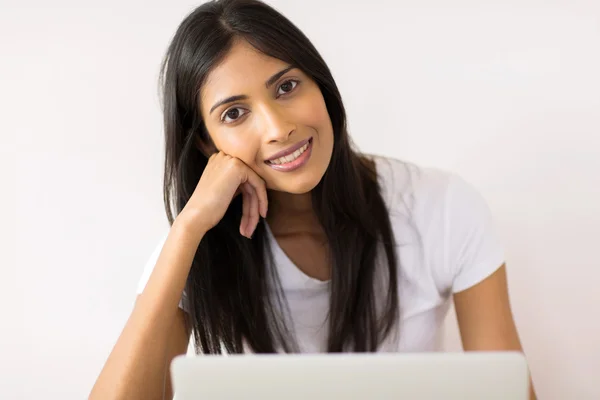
(314, 113)
(237, 145)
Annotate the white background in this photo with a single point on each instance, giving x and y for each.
(506, 93)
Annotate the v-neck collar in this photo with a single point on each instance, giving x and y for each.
(291, 277)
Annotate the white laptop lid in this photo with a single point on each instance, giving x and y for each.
(470, 375)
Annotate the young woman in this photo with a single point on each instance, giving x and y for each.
(283, 237)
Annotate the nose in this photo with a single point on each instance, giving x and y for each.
(276, 126)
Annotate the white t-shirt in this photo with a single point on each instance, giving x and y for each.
(445, 243)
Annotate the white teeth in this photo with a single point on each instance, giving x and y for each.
(290, 157)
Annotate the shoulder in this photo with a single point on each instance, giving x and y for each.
(424, 188)
(149, 265)
(413, 186)
(150, 261)
(448, 218)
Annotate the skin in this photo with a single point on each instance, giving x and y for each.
(485, 319)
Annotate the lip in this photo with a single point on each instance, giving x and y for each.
(289, 150)
(297, 163)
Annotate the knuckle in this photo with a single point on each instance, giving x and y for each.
(238, 166)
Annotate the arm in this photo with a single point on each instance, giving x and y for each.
(156, 330)
(485, 318)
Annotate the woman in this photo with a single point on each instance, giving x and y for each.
(284, 238)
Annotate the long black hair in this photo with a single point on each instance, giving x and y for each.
(229, 290)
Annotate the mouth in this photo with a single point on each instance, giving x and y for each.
(291, 158)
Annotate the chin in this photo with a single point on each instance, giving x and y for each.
(297, 187)
(301, 184)
(303, 188)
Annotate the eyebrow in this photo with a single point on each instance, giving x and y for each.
(268, 83)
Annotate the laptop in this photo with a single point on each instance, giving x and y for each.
(382, 376)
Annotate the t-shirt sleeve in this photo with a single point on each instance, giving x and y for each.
(149, 267)
(474, 250)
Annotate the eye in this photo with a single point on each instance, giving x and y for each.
(233, 114)
(287, 86)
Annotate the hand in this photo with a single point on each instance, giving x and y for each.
(223, 178)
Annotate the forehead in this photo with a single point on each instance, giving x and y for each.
(241, 70)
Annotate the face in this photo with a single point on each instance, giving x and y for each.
(269, 115)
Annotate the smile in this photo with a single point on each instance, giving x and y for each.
(292, 158)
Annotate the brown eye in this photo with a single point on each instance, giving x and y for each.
(232, 115)
(287, 87)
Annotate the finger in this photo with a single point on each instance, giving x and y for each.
(261, 192)
(253, 212)
(246, 200)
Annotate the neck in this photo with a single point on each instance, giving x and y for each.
(289, 211)
(289, 205)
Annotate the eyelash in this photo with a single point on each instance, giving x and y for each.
(224, 115)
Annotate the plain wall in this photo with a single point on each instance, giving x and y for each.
(505, 93)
